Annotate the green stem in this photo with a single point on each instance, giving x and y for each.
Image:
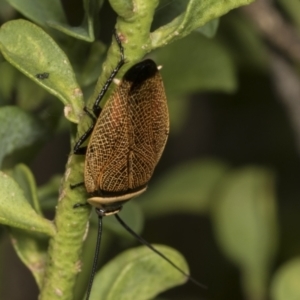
(66, 246)
(64, 263)
(133, 26)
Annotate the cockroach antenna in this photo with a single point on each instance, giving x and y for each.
(147, 244)
(127, 139)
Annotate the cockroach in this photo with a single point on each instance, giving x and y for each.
(127, 139)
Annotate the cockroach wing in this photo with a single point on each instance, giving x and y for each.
(130, 134)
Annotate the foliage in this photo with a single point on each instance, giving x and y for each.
(207, 57)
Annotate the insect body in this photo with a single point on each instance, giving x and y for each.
(128, 139)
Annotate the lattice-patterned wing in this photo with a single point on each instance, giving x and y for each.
(130, 133)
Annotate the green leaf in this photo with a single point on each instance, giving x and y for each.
(197, 14)
(169, 10)
(32, 250)
(24, 178)
(138, 273)
(51, 13)
(40, 12)
(285, 283)
(188, 188)
(32, 51)
(17, 212)
(244, 217)
(18, 130)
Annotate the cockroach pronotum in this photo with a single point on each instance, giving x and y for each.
(127, 139)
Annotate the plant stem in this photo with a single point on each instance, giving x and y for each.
(64, 263)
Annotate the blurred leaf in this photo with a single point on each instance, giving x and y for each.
(7, 82)
(188, 188)
(6, 12)
(48, 193)
(285, 283)
(92, 67)
(178, 111)
(24, 178)
(32, 250)
(51, 13)
(25, 89)
(17, 212)
(133, 217)
(138, 271)
(244, 42)
(32, 51)
(40, 12)
(244, 217)
(196, 64)
(209, 29)
(196, 14)
(18, 130)
(86, 30)
(291, 8)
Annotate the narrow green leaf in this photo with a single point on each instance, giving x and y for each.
(31, 247)
(18, 130)
(187, 188)
(138, 273)
(285, 283)
(32, 51)
(24, 178)
(32, 250)
(17, 212)
(197, 14)
(244, 217)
